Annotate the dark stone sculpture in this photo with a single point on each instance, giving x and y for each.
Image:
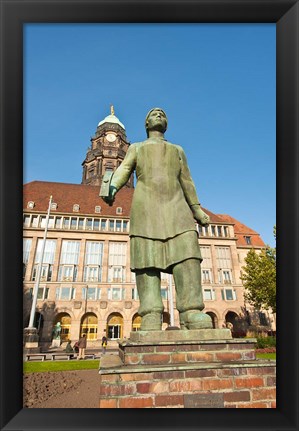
(163, 235)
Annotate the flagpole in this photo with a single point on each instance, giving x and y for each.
(39, 270)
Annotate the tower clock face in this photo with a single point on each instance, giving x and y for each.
(111, 137)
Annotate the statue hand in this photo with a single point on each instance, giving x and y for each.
(112, 192)
(200, 216)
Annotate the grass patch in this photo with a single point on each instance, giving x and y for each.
(266, 356)
(43, 366)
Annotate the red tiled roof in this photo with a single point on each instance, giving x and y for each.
(241, 230)
(87, 197)
(67, 195)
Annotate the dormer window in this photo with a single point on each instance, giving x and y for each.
(76, 208)
(119, 210)
(97, 209)
(30, 204)
(53, 206)
(247, 239)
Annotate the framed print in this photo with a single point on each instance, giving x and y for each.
(15, 16)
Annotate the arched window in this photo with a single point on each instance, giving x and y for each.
(65, 323)
(115, 324)
(136, 322)
(89, 326)
(214, 319)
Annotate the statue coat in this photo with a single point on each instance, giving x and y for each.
(164, 191)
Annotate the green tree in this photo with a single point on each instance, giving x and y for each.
(259, 278)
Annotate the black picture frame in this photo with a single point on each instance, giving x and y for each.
(14, 14)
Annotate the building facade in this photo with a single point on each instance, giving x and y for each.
(86, 283)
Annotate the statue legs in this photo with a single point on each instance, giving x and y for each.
(189, 298)
(148, 283)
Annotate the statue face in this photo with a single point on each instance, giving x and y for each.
(156, 120)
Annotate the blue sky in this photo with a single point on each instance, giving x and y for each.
(216, 83)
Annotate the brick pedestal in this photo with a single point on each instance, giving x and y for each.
(186, 373)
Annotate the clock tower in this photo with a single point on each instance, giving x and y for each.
(106, 152)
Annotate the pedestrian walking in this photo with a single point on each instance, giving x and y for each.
(104, 344)
(82, 346)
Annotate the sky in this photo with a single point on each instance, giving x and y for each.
(216, 83)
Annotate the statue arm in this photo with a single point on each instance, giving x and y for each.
(190, 192)
(125, 169)
(186, 180)
(122, 174)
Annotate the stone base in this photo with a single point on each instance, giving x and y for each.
(188, 346)
(31, 341)
(55, 343)
(199, 385)
(186, 369)
(180, 335)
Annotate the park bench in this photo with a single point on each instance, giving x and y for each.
(61, 354)
(36, 355)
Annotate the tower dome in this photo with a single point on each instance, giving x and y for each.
(111, 119)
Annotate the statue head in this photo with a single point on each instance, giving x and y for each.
(156, 120)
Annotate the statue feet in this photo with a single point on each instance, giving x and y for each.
(151, 322)
(195, 319)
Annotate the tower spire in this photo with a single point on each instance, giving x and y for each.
(112, 109)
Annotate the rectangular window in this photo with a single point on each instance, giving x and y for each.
(96, 224)
(111, 225)
(135, 295)
(213, 230)
(117, 262)
(91, 293)
(51, 223)
(58, 222)
(199, 230)
(26, 221)
(34, 221)
(219, 230)
(74, 222)
(206, 276)
(116, 293)
(46, 272)
(223, 257)
(93, 261)
(26, 249)
(43, 293)
(225, 229)
(208, 295)
(26, 252)
(42, 222)
(69, 259)
(66, 223)
(118, 225)
(49, 251)
(125, 226)
(263, 319)
(65, 293)
(70, 252)
(103, 224)
(228, 295)
(226, 276)
(247, 240)
(88, 224)
(207, 257)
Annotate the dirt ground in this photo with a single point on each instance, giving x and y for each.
(61, 389)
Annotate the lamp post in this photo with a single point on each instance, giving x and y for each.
(30, 333)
